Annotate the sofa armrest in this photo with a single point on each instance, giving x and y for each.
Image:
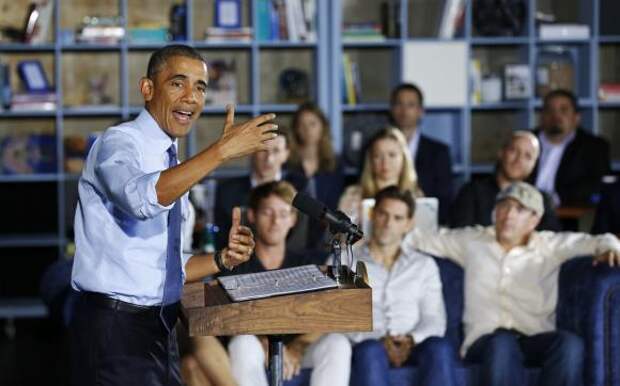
(589, 305)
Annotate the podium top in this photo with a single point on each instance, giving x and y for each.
(208, 310)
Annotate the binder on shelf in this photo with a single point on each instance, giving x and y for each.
(452, 15)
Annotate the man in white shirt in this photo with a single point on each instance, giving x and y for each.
(329, 355)
(409, 318)
(511, 289)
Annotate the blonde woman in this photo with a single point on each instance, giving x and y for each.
(387, 162)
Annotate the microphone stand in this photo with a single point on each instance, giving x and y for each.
(336, 252)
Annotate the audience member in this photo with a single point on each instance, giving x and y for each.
(409, 317)
(475, 201)
(266, 166)
(572, 161)
(431, 158)
(387, 162)
(511, 289)
(313, 158)
(329, 355)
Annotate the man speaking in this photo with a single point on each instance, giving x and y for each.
(129, 269)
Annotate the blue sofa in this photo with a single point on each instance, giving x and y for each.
(588, 304)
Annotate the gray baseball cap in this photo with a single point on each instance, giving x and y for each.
(526, 194)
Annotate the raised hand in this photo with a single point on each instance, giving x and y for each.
(612, 258)
(240, 242)
(247, 137)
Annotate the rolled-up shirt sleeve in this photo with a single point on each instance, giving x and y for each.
(119, 172)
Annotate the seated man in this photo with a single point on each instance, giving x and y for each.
(266, 166)
(572, 161)
(409, 316)
(272, 216)
(511, 289)
(431, 158)
(475, 202)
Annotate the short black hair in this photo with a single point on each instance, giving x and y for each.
(561, 93)
(158, 58)
(407, 87)
(394, 193)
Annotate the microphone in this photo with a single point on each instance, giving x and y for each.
(338, 222)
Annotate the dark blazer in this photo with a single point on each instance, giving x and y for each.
(475, 202)
(434, 168)
(328, 187)
(584, 162)
(607, 217)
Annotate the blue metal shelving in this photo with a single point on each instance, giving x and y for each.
(327, 50)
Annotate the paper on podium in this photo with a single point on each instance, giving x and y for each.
(277, 282)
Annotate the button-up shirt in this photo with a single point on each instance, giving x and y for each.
(516, 289)
(406, 299)
(550, 159)
(120, 228)
(414, 143)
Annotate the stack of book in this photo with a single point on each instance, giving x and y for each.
(362, 32)
(216, 34)
(34, 101)
(609, 92)
(291, 20)
(101, 30)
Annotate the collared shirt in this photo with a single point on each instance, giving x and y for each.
(550, 159)
(516, 289)
(120, 228)
(254, 179)
(407, 299)
(414, 143)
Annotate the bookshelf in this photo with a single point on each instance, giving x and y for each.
(475, 130)
(472, 130)
(69, 65)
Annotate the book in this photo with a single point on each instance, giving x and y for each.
(609, 92)
(563, 31)
(222, 86)
(452, 15)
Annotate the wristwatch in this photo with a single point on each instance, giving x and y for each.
(220, 263)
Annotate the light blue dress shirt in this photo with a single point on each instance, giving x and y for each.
(120, 228)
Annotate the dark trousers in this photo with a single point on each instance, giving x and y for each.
(117, 346)
(435, 357)
(504, 353)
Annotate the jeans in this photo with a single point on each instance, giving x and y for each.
(504, 353)
(435, 357)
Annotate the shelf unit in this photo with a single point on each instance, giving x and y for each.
(255, 55)
(473, 149)
(466, 128)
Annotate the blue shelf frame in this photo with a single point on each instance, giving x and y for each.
(529, 42)
(327, 51)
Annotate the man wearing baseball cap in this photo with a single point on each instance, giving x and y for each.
(511, 289)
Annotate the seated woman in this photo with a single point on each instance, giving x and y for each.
(387, 162)
(313, 160)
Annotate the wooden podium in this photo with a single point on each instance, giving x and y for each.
(207, 310)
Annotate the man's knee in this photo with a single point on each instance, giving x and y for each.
(335, 345)
(368, 350)
(570, 348)
(436, 347)
(245, 347)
